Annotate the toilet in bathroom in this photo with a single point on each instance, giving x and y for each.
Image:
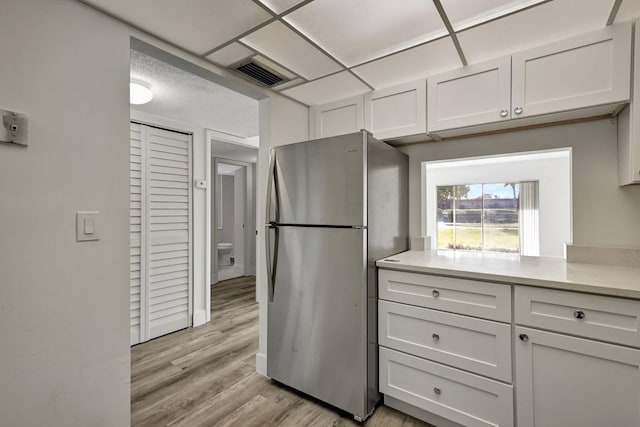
(224, 253)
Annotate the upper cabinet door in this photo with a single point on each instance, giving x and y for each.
(472, 95)
(588, 70)
(397, 111)
(337, 118)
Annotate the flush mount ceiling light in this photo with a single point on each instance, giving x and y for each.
(139, 93)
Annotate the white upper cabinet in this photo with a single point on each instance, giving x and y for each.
(397, 111)
(472, 95)
(584, 71)
(629, 127)
(583, 76)
(337, 118)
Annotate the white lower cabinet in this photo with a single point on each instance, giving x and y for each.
(464, 398)
(567, 381)
(567, 359)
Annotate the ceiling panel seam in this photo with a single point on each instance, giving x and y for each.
(369, 61)
(237, 38)
(452, 33)
(614, 12)
(496, 18)
(327, 54)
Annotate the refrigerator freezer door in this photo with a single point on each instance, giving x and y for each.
(321, 182)
(317, 319)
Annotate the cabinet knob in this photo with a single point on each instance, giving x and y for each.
(524, 337)
(435, 293)
(504, 113)
(435, 337)
(437, 390)
(518, 110)
(579, 314)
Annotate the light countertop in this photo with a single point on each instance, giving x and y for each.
(545, 272)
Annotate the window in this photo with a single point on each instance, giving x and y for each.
(479, 217)
(516, 203)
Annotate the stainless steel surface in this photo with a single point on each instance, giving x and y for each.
(518, 110)
(435, 293)
(579, 314)
(435, 337)
(316, 322)
(321, 182)
(437, 390)
(388, 230)
(269, 229)
(524, 337)
(504, 113)
(322, 318)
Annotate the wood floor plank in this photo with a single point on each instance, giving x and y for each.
(205, 376)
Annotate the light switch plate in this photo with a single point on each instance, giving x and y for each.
(87, 226)
(13, 128)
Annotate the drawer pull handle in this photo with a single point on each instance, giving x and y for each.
(435, 293)
(579, 314)
(518, 110)
(524, 337)
(437, 390)
(435, 337)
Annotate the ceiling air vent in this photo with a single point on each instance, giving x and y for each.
(258, 73)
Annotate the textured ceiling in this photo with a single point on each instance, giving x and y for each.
(182, 96)
(363, 44)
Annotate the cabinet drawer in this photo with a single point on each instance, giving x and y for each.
(605, 318)
(464, 398)
(469, 297)
(475, 345)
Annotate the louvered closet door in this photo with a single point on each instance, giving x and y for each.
(168, 192)
(160, 232)
(135, 232)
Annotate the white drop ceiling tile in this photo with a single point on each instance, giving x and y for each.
(231, 54)
(358, 31)
(327, 89)
(191, 24)
(533, 27)
(279, 6)
(629, 9)
(418, 62)
(284, 46)
(465, 13)
(275, 67)
(286, 85)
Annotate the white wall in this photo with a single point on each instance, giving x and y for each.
(238, 223)
(603, 213)
(552, 170)
(64, 306)
(228, 206)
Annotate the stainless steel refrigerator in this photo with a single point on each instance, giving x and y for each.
(334, 206)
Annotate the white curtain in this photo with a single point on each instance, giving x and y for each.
(529, 219)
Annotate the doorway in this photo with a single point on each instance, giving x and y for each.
(233, 166)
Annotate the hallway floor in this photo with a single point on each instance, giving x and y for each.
(205, 376)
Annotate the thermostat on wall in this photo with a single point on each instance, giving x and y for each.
(14, 128)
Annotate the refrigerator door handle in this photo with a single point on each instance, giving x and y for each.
(271, 268)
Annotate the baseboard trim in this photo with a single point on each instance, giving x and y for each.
(199, 318)
(261, 364)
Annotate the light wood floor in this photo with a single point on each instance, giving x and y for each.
(205, 376)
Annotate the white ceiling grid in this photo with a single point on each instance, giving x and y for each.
(337, 48)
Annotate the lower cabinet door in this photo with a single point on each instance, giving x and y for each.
(464, 398)
(567, 381)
